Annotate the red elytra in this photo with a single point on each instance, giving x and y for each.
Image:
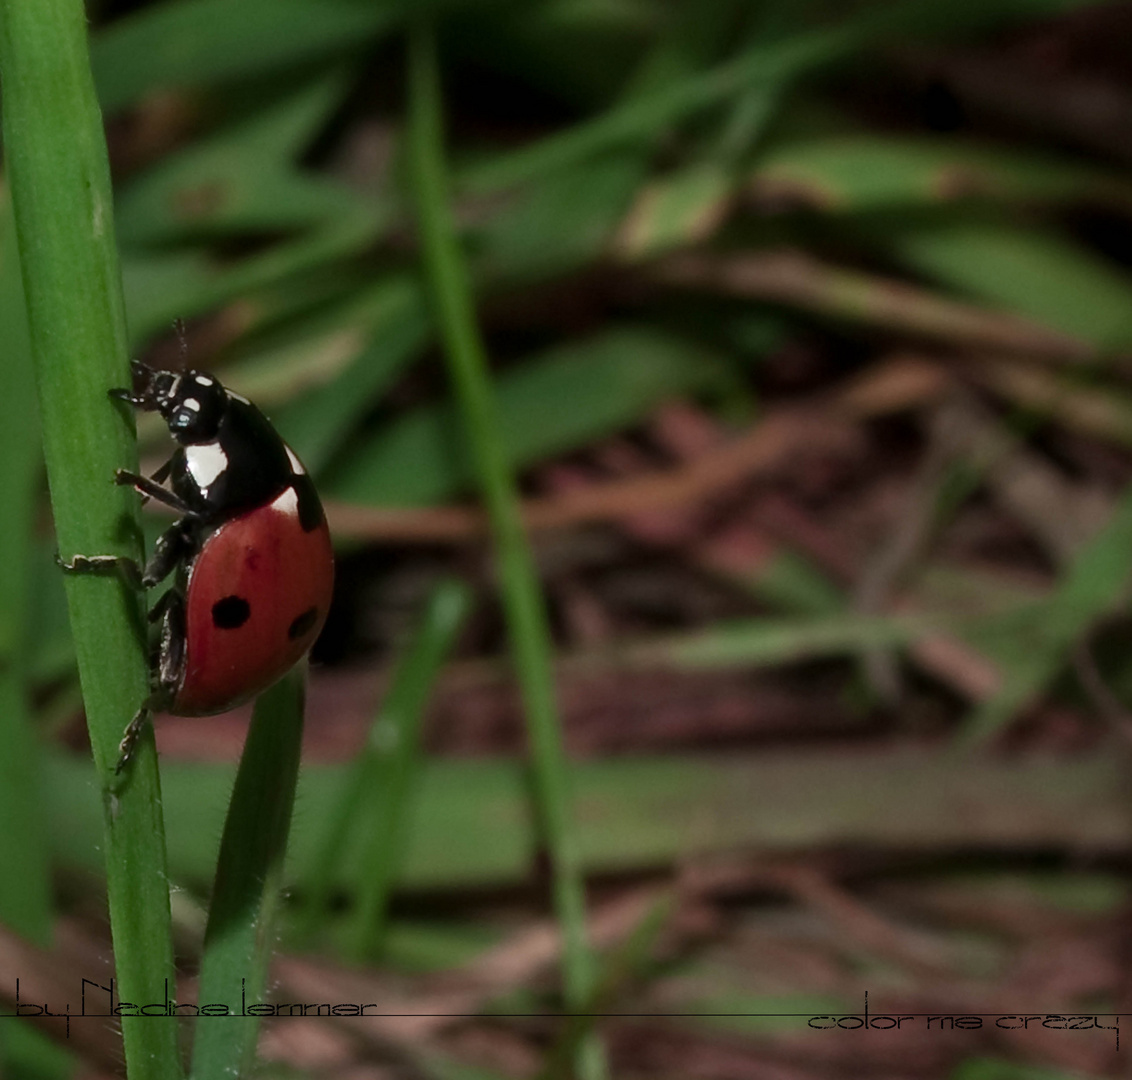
(257, 596)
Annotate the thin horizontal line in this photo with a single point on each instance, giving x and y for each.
(551, 1016)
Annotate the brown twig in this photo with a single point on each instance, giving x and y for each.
(792, 277)
(863, 925)
(900, 382)
(760, 449)
(1061, 515)
(1101, 411)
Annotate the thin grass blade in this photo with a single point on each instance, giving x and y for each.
(249, 875)
(381, 781)
(522, 601)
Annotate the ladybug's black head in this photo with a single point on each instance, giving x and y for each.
(192, 403)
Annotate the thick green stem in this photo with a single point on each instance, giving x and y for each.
(57, 167)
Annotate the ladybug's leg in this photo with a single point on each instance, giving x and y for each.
(151, 488)
(159, 476)
(129, 570)
(169, 663)
(168, 671)
(170, 667)
(120, 394)
(173, 547)
(158, 610)
(132, 733)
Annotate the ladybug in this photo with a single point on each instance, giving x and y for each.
(250, 552)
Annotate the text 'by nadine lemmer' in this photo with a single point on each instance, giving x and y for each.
(101, 1000)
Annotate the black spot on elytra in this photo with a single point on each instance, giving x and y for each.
(310, 509)
(230, 613)
(302, 624)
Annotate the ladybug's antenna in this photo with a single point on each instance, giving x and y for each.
(182, 341)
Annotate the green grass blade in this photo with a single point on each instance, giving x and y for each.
(994, 1069)
(1091, 586)
(646, 813)
(25, 892)
(249, 874)
(390, 765)
(243, 179)
(857, 172)
(30, 1054)
(317, 423)
(51, 648)
(622, 963)
(522, 600)
(190, 43)
(612, 381)
(563, 221)
(60, 181)
(765, 65)
(768, 641)
(162, 286)
(640, 117)
(377, 791)
(1031, 270)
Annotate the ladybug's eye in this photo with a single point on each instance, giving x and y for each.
(185, 415)
(194, 414)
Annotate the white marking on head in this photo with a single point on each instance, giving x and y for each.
(205, 461)
(287, 502)
(296, 464)
(191, 404)
(204, 380)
